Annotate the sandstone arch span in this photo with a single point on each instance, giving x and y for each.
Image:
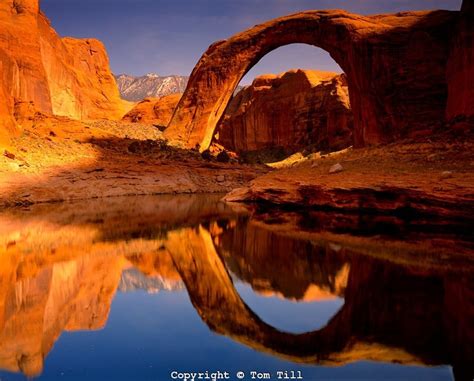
(395, 65)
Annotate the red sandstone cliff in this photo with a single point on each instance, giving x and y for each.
(62, 76)
(294, 110)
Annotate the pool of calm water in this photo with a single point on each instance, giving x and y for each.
(137, 288)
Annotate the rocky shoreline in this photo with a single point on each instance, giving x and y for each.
(110, 159)
(413, 133)
(407, 178)
(62, 160)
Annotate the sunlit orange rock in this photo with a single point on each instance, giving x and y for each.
(156, 111)
(294, 110)
(81, 83)
(62, 76)
(22, 74)
(395, 67)
(8, 126)
(65, 296)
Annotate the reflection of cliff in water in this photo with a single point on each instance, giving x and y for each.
(60, 272)
(272, 263)
(394, 313)
(39, 302)
(134, 280)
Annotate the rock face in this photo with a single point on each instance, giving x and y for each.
(8, 126)
(294, 110)
(156, 111)
(388, 179)
(62, 76)
(460, 70)
(151, 85)
(395, 67)
(81, 84)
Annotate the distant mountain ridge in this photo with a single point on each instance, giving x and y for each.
(134, 280)
(135, 89)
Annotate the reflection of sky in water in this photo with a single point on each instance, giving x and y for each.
(290, 316)
(147, 336)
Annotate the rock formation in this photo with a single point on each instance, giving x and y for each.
(152, 85)
(396, 178)
(8, 126)
(62, 76)
(157, 111)
(294, 110)
(395, 67)
(460, 70)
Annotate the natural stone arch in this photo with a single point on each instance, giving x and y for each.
(394, 65)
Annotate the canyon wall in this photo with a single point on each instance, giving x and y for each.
(460, 70)
(62, 76)
(295, 110)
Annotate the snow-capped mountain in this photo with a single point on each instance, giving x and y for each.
(151, 85)
(133, 280)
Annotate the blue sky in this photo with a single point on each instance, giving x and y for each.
(169, 36)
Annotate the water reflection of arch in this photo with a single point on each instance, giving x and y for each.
(391, 313)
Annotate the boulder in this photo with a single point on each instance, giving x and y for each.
(294, 110)
(156, 111)
(336, 168)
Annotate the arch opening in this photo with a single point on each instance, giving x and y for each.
(289, 315)
(292, 56)
(295, 99)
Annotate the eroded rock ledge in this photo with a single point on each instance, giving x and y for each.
(434, 178)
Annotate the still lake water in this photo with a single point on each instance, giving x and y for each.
(136, 288)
